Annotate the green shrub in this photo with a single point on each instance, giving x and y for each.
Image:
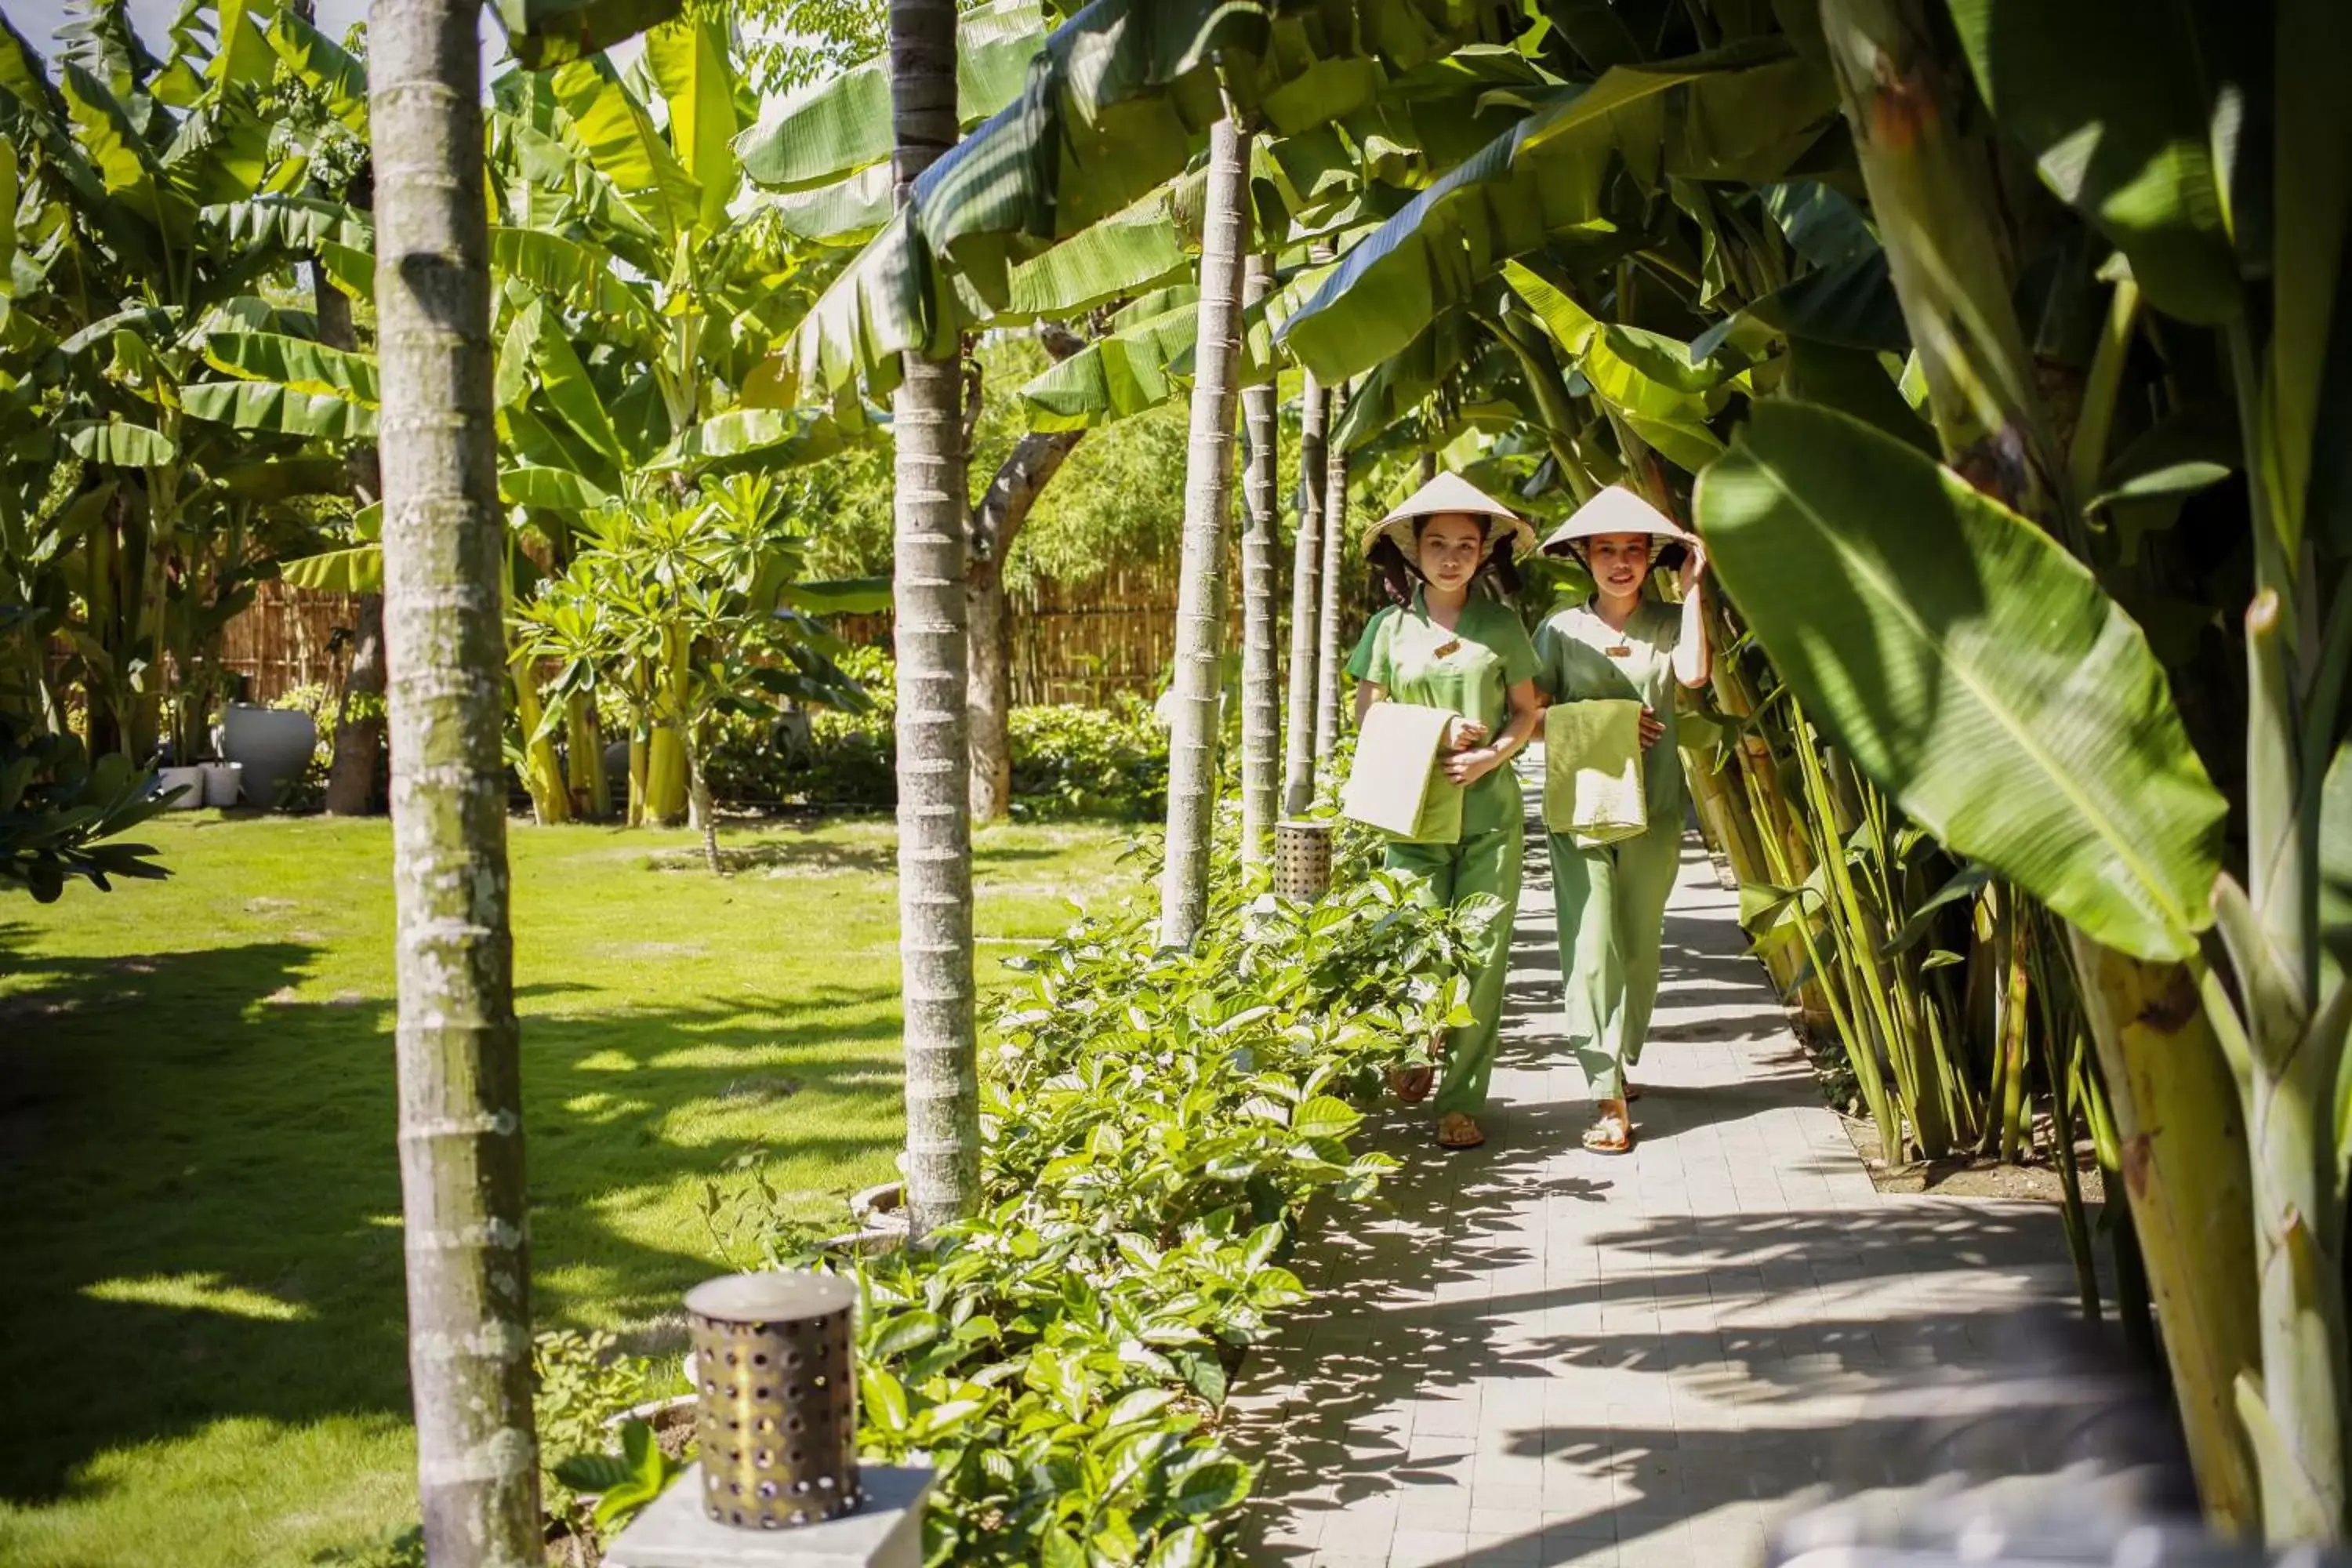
(1068, 760)
(1153, 1124)
(1071, 761)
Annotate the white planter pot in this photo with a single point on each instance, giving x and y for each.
(221, 783)
(190, 782)
(273, 745)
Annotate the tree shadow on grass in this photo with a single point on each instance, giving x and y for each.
(204, 1197)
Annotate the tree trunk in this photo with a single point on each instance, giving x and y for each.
(934, 833)
(996, 524)
(1208, 490)
(359, 738)
(699, 807)
(1305, 606)
(460, 1081)
(1261, 697)
(1328, 657)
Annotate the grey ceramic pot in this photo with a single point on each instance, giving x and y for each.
(271, 745)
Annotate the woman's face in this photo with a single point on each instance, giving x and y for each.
(1619, 562)
(1452, 546)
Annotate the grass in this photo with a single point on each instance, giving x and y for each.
(204, 1357)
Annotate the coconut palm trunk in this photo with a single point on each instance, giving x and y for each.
(1208, 488)
(460, 1116)
(934, 834)
(1328, 657)
(1261, 695)
(1306, 608)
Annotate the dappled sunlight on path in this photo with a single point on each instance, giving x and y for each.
(1543, 1356)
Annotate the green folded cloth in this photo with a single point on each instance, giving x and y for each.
(1396, 783)
(1592, 770)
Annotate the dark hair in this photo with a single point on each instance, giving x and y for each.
(1398, 575)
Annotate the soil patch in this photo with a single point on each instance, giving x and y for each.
(2039, 1181)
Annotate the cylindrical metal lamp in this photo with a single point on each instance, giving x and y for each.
(778, 1388)
(1302, 861)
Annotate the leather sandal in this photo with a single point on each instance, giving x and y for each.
(1612, 1135)
(1455, 1131)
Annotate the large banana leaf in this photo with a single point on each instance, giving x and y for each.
(117, 443)
(358, 570)
(265, 406)
(295, 224)
(848, 212)
(1116, 101)
(1641, 373)
(842, 124)
(579, 275)
(1973, 669)
(297, 364)
(1125, 254)
(1745, 111)
(550, 489)
(621, 139)
(754, 437)
(543, 33)
(689, 60)
(2107, 96)
(1115, 378)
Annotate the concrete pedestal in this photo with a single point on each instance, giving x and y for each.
(674, 1532)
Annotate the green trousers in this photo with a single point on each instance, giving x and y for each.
(1485, 861)
(1612, 907)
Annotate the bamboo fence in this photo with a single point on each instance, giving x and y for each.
(1089, 644)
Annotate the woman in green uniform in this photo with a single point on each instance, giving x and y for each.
(1444, 645)
(1610, 900)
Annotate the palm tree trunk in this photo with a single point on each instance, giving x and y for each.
(1261, 697)
(996, 523)
(1208, 490)
(1305, 606)
(934, 833)
(1335, 544)
(461, 1154)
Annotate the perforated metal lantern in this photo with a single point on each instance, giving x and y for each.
(778, 1389)
(1302, 861)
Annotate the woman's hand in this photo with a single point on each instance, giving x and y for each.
(1462, 734)
(1652, 727)
(1467, 768)
(1694, 566)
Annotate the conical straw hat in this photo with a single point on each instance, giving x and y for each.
(1447, 493)
(1619, 510)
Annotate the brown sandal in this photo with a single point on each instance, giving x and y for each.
(1455, 1131)
(1612, 1135)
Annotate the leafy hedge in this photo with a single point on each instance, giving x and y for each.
(1154, 1124)
(1068, 760)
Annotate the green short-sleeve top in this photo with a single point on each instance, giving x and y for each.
(1469, 669)
(1582, 658)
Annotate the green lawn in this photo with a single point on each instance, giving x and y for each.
(203, 1357)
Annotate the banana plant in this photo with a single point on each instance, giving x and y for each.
(149, 207)
(676, 611)
(1982, 666)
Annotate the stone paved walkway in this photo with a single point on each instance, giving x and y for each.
(1539, 1355)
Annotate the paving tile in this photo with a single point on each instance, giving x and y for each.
(1540, 1355)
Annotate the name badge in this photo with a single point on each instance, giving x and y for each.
(1623, 650)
